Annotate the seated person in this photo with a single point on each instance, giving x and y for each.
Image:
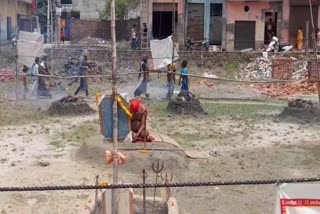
(138, 121)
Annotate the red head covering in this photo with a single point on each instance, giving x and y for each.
(135, 106)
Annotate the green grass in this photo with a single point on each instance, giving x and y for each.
(244, 111)
(78, 135)
(12, 113)
(231, 69)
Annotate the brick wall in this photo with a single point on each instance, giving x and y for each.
(101, 29)
(312, 70)
(130, 59)
(282, 68)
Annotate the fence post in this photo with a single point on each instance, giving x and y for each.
(17, 77)
(307, 39)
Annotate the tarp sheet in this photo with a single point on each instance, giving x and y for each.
(106, 118)
(161, 51)
(30, 46)
(298, 199)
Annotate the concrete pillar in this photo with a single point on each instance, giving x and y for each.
(206, 27)
(319, 16)
(285, 20)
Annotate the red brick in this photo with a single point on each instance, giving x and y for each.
(282, 68)
(312, 70)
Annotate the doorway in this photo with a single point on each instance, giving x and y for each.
(162, 15)
(9, 28)
(216, 20)
(270, 26)
(195, 28)
(245, 35)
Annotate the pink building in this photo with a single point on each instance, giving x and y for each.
(252, 24)
(158, 15)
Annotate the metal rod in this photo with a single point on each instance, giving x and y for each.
(17, 78)
(315, 51)
(115, 108)
(144, 175)
(156, 169)
(96, 193)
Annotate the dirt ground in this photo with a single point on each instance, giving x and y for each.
(248, 139)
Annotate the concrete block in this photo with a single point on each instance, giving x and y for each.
(172, 206)
(107, 202)
(125, 201)
(125, 204)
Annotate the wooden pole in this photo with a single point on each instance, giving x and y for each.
(115, 109)
(307, 39)
(173, 28)
(315, 51)
(17, 50)
(48, 21)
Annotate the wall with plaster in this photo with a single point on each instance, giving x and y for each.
(235, 12)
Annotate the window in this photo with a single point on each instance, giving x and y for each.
(66, 1)
(216, 9)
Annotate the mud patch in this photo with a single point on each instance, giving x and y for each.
(70, 106)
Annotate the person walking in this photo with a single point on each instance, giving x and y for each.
(171, 80)
(184, 80)
(83, 71)
(62, 35)
(35, 77)
(133, 38)
(143, 84)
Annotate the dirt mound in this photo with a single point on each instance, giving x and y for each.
(301, 109)
(70, 105)
(191, 107)
(136, 160)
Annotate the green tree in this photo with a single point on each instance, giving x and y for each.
(122, 8)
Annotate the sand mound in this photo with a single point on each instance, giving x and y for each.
(69, 106)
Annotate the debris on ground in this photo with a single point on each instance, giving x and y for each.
(43, 163)
(286, 89)
(261, 69)
(7, 75)
(185, 103)
(94, 41)
(70, 106)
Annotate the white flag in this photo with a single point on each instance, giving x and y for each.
(161, 51)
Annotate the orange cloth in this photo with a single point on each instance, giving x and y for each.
(109, 157)
(300, 40)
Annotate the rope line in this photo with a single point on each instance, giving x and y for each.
(157, 71)
(152, 185)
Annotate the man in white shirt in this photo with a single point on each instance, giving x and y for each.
(35, 78)
(133, 38)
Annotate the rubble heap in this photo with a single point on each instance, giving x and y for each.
(72, 68)
(186, 104)
(287, 89)
(261, 69)
(89, 41)
(7, 75)
(69, 106)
